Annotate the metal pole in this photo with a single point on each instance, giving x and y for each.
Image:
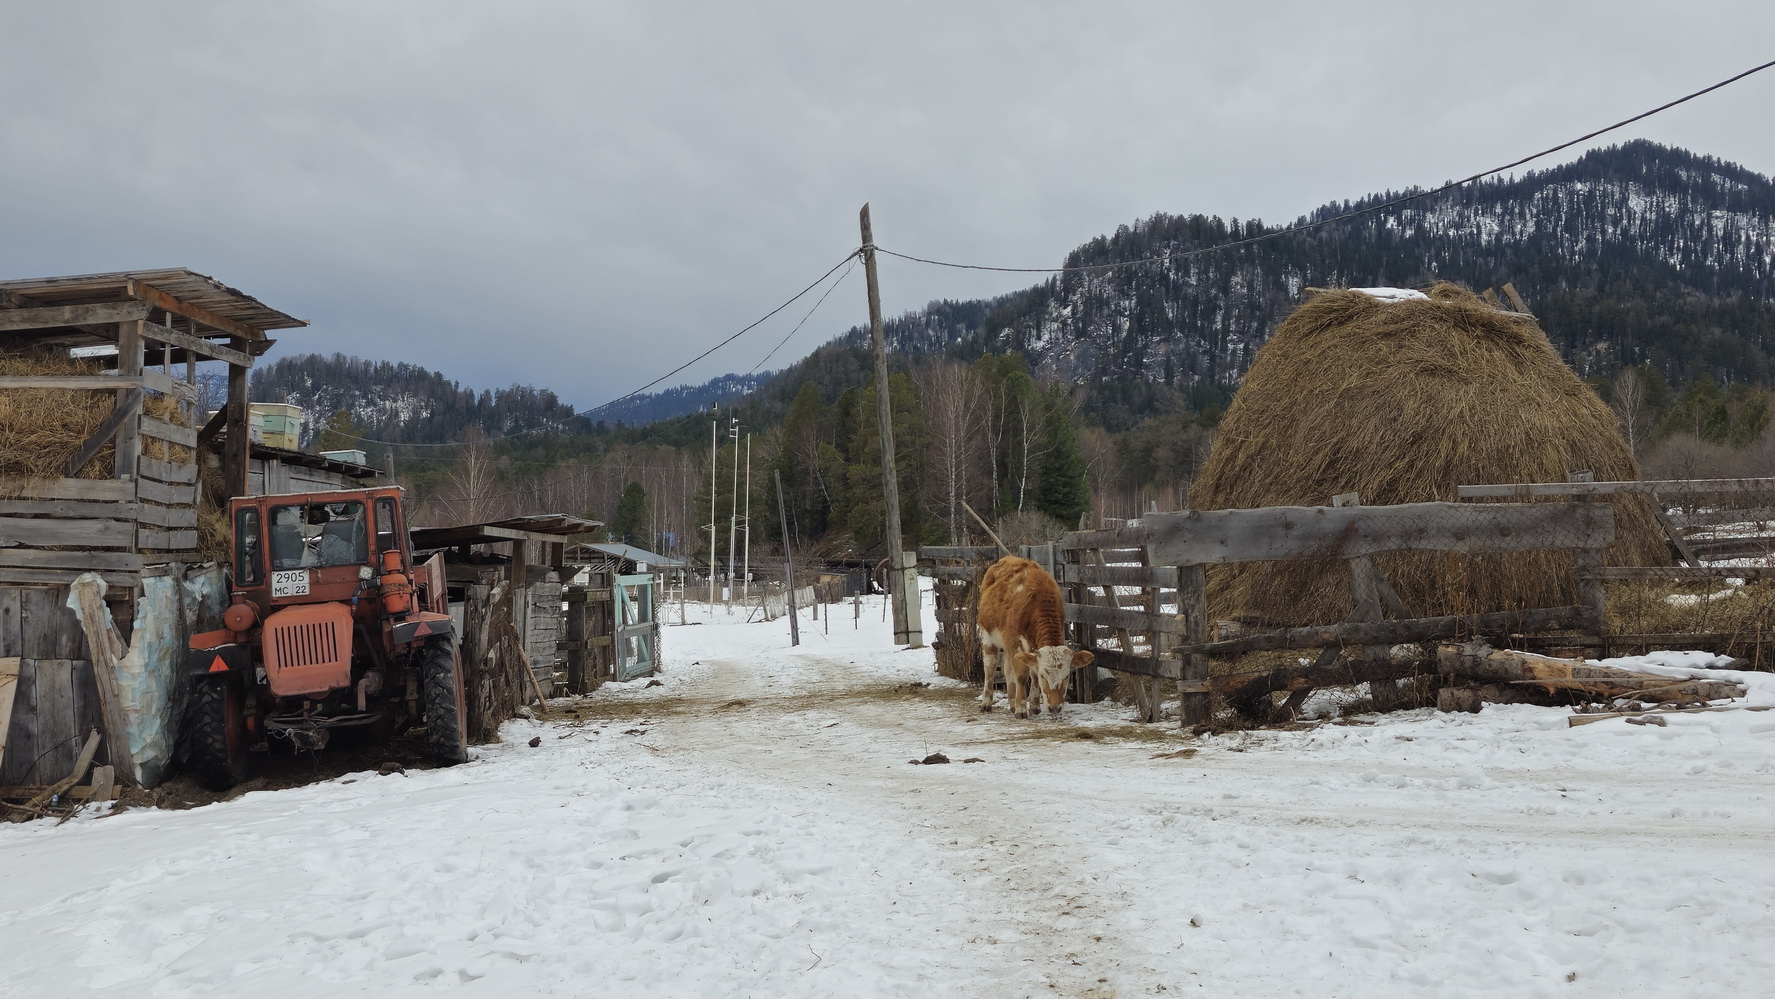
(788, 566)
(884, 409)
(733, 515)
(746, 560)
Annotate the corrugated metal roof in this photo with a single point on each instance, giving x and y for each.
(633, 554)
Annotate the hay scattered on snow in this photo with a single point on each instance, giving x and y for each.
(1400, 401)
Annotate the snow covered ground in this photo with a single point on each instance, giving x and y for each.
(752, 827)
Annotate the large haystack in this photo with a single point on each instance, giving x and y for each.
(1401, 401)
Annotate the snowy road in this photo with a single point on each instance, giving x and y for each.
(752, 827)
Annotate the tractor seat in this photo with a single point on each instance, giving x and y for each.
(286, 546)
(343, 542)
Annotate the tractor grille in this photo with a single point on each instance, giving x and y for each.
(308, 649)
(309, 644)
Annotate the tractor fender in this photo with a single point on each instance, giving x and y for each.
(231, 661)
(420, 626)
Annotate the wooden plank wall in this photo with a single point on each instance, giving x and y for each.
(57, 700)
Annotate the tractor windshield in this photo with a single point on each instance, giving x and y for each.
(318, 535)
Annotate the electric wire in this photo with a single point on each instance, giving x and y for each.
(804, 319)
(1305, 226)
(849, 257)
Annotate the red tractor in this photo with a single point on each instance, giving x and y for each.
(331, 627)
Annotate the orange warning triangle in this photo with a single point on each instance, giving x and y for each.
(218, 666)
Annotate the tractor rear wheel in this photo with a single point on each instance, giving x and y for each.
(218, 752)
(440, 684)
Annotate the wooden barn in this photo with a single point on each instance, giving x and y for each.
(101, 472)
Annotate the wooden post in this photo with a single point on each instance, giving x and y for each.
(904, 633)
(1592, 595)
(1366, 587)
(129, 365)
(237, 450)
(1192, 604)
(576, 640)
(788, 565)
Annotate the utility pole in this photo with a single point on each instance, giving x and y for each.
(713, 453)
(733, 516)
(907, 630)
(746, 558)
(788, 567)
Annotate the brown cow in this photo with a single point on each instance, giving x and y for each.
(1022, 628)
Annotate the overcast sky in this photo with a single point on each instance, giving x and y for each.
(580, 195)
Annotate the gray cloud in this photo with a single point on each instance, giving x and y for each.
(578, 195)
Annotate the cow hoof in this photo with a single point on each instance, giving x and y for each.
(1023, 714)
(985, 708)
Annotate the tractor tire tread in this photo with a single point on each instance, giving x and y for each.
(215, 768)
(437, 681)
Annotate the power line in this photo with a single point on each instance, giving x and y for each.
(804, 319)
(630, 395)
(1303, 227)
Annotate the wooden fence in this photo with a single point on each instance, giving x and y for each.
(1137, 595)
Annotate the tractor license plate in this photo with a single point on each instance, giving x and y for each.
(292, 583)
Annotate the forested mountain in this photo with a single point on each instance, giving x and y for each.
(1636, 254)
(403, 402)
(1648, 266)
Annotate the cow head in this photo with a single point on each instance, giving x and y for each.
(1052, 665)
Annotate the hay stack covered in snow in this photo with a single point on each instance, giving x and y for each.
(1400, 397)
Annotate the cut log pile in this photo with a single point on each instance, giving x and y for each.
(1466, 677)
(1474, 673)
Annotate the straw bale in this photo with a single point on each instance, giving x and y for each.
(1400, 402)
(40, 429)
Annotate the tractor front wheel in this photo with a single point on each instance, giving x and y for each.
(440, 684)
(218, 753)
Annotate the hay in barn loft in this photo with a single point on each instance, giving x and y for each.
(40, 429)
(1400, 402)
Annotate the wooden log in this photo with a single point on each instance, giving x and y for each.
(1411, 630)
(129, 401)
(21, 792)
(1279, 533)
(1246, 687)
(1478, 661)
(1457, 699)
(1599, 716)
(1673, 487)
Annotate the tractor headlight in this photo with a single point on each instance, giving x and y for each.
(364, 572)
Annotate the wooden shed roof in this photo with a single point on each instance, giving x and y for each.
(181, 283)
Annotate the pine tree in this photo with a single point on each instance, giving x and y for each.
(629, 526)
(339, 433)
(1061, 492)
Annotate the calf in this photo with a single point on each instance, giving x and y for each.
(1022, 628)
